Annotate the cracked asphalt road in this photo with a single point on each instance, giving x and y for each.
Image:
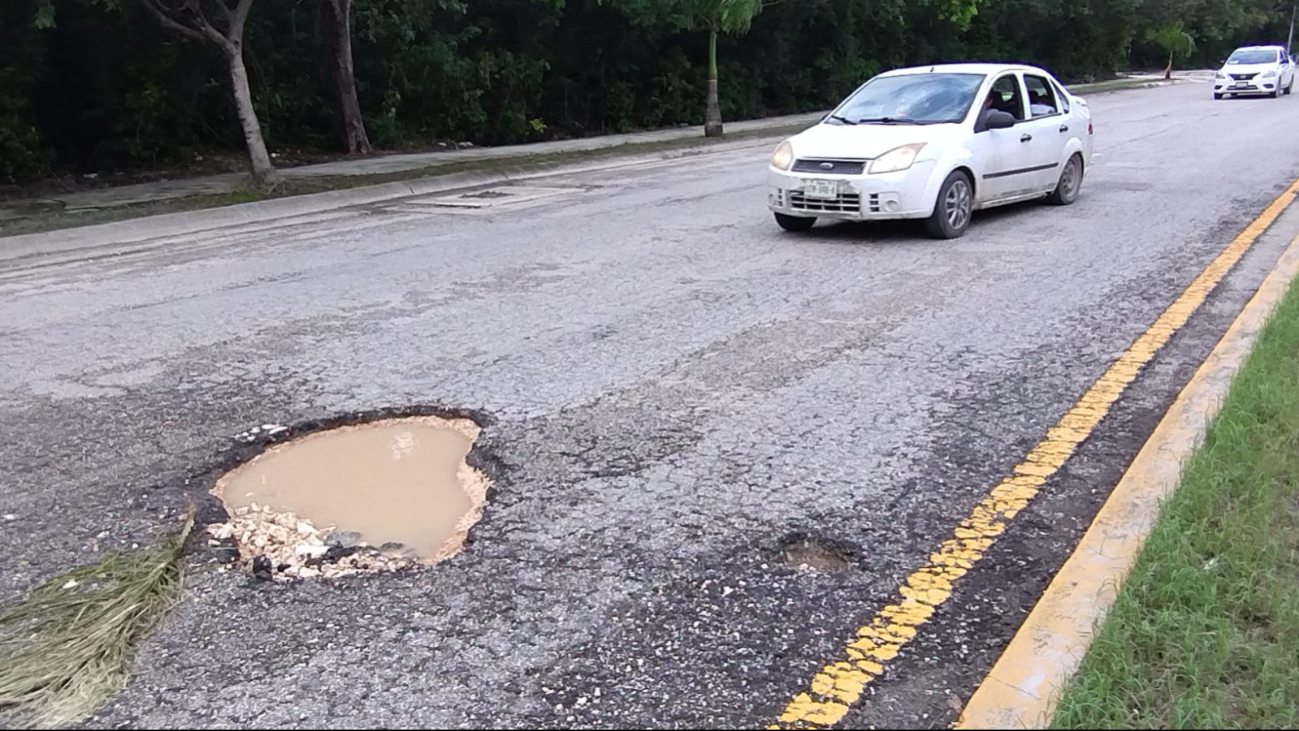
(673, 387)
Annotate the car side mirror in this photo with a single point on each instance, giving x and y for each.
(998, 119)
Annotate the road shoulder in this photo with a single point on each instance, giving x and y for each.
(1024, 686)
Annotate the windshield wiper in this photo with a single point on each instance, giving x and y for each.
(845, 120)
(887, 120)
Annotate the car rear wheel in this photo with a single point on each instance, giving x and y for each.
(1070, 184)
(794, 223)
(954, 209)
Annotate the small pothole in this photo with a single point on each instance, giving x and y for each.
(806, 552)
(377, 496)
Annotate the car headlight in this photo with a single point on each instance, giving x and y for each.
(1269, 74)
(897, 160)
(783, 157)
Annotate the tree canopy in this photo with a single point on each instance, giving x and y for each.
(93, 85)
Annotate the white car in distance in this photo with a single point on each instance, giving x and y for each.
(1255, 71)
(935, 143)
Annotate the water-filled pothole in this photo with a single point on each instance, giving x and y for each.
(369, 497)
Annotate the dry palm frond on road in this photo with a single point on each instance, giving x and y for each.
(65, 649)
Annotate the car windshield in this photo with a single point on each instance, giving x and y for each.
(910, 99)
(1252, 56)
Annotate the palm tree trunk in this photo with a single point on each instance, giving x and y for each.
(712, 111)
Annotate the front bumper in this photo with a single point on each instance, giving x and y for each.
(1252, 87)
(858, 197)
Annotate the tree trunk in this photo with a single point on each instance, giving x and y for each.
(338, 28)
(1168, 72)
(712, 112)
(264, 173)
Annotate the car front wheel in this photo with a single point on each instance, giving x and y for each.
(954, 209)
(794, 223)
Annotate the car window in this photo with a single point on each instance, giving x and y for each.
(935, 98)
(1062, 95)
(1005, 96)
(1253, 56)
(1041, 97)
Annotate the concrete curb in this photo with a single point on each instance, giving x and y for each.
(139, 230)
(1109, 87)
(1024, 686)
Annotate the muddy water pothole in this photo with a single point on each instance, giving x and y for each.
(378, 496)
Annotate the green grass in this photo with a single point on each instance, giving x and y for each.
(1115, 85)
(65, 649)
(54, 220)
(47, 218)
(1205, 632)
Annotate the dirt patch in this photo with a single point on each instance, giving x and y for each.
(806, 552)
(376, 496)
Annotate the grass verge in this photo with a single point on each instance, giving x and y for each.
(1205, 631)
(64, 650)
(54, 220)
(1115, 85)
(45, 218)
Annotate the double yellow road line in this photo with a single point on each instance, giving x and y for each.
(840, 683)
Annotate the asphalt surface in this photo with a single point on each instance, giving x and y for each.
(672, 389)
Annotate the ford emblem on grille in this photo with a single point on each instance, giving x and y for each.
(827, 166)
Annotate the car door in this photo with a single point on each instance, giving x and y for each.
(998, 153)
(1046, 133)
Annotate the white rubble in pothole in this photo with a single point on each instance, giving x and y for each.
(288, 547)
(251, 435)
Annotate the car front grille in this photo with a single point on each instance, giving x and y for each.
(1243, 77)
(843, 203)
(830, 167)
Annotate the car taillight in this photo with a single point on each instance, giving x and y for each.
(1090, 130)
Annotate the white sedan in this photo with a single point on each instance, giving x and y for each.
(935, 143)
(1255, 70)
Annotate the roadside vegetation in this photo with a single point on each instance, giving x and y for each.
(43, 217)
(1205, 631)
(65, 649)
(92, 88)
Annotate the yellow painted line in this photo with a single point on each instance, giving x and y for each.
(1021, 691)
(841, 682)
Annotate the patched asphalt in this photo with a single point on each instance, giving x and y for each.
(672, 389)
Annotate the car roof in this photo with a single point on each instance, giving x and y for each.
(964, 68)
(1263, 48)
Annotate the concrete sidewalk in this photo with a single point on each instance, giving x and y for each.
(93, 218)
(163, 190)
(378, 165)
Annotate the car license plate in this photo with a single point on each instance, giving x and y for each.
(1241, 85)
(822, 189)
